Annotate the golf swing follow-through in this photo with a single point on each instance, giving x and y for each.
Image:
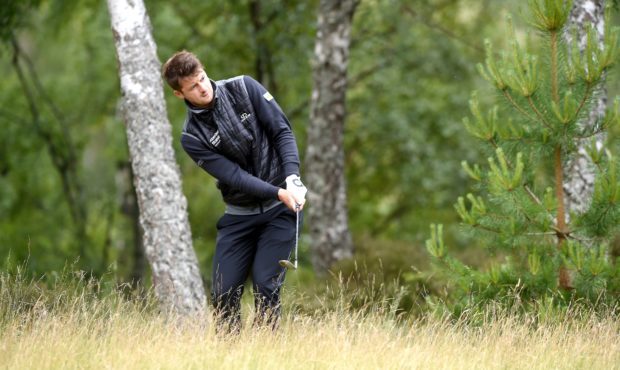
(236, 132)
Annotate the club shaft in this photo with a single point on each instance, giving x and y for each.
(296, 232)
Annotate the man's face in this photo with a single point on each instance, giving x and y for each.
(196, 89)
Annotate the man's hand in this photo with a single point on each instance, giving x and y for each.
(288, 198)
(297, 188)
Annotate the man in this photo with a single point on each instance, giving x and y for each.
(236, 132)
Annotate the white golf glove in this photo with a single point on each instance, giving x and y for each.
(296, 187)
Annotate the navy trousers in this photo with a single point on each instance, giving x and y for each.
(251, 244)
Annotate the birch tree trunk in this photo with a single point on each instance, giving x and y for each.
(327, 211)
(579, 170)
(163, 207)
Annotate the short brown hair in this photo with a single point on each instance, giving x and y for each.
(180, 65)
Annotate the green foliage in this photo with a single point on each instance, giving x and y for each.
(403, 128)
(402, 134)
(603, 216)
(435, 244)
(546, 89)
(550, 15)
(404, 141)
(13, 15)
(59, 146)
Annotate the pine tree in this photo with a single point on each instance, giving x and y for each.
(518, 209)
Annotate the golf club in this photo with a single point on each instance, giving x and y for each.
(286, 263)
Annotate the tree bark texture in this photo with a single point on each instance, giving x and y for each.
(579, 170)
(163, 207)
(327, 211)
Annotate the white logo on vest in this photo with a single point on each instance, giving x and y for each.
(215, 139)
(245, 116)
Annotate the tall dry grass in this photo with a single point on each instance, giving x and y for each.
(72, 328)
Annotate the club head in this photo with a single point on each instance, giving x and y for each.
(288, 264)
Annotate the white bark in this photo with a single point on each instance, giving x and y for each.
(327, 211)
(579, 174)
(163, 207)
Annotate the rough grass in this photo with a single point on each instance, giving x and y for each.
(76, 325)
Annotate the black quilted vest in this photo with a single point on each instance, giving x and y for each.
(231, 128)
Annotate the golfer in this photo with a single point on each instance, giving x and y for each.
(236, 132)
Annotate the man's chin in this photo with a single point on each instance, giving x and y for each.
(204, 103)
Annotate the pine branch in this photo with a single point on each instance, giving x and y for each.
(554, 67)
(527, 188)
(598, 131)
(550, 233)
(532, 195)
(525, 214)
(581, 239)
(540, 116)
(586, 97)
(517, 106)
(486, 228)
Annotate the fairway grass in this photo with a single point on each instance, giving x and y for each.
(119, 336)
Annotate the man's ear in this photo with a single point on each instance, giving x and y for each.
(178, 94)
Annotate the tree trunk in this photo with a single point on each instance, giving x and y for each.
(264, 62)
(327, 211)
(579, 170)
(163, 207)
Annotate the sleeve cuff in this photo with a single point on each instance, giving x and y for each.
(291, 169)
